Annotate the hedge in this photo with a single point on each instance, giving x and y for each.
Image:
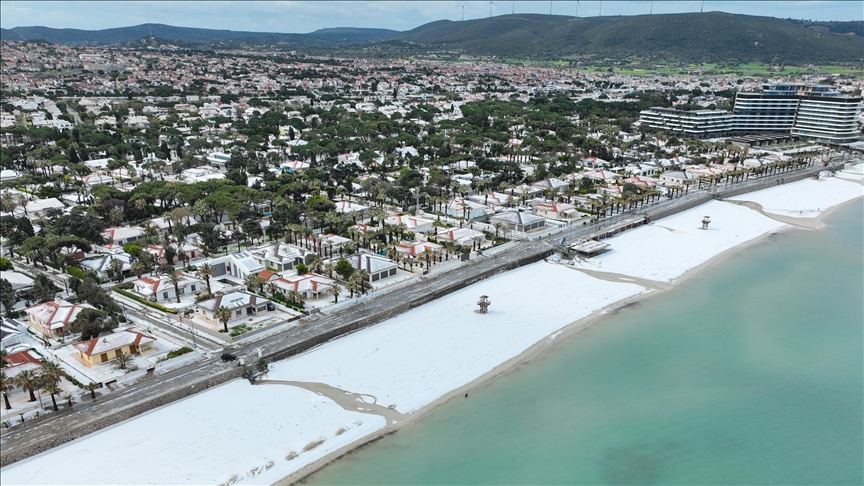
(178, 352)
(145, 301)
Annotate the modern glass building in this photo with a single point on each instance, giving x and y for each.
(811, 111)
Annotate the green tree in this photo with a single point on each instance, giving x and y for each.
(344, 269)
(7, 296)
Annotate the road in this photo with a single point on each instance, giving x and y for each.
(313, 329)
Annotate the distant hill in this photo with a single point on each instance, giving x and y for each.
(687, 37)
(191, 35)
(690, 37)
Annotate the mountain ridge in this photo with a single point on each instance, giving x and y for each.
(685, 37)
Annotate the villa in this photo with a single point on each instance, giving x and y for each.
(105, 348)
(53, 318)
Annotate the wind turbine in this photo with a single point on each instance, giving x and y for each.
(577, 8)
(491, 3)
(513, 5)
(601, 9)
(702, 7)
(550, 7)
(651, 12)
(463, 11)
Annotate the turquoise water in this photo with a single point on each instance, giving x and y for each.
(749, 373)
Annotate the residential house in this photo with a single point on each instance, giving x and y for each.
(461, 236)
(494, 199)
(241, 304)
(9, 334)
(100, 265)
(123, 235)
(158, 252)
(378, 267)
(351, 208)
(36, 209)
(642, 181)
(159, 288)
(465, 208)
(280, 256)
(552, 183)
(675, 178)
(416, 248)
(519, 221)
(53, 318)
(26, 360)
(310, 284)
(108, 347)
(237, 265)
(560, 211)
(412, 223)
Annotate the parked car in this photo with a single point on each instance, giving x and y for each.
(228, 357)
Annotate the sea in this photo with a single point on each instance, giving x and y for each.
(749, 373)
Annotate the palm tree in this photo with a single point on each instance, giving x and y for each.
(91, 387)
(296, 297)
(138, 268)
(253, 281)
(52, 389)
(51, 372)
(117, 268)
(175, 279)
(223, 315)
(272, 288)
(336, 291)
(28, 380)
(328, 268)
(123, 360)
(7, 384)
(205, 271)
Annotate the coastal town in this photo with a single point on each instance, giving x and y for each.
(171, 216)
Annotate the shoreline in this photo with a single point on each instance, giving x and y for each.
(561, 336)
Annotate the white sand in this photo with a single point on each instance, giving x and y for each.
(669, 247)
(413, 359)
(204, 439)
(804, 199)
(853, 173)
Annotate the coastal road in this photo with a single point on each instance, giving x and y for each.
(84, 417)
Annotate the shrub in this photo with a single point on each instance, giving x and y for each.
(5, 264)
(76, 272)
(239, 329)
(144, 301)
(73, 380)
(178, 352)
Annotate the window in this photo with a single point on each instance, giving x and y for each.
(193, 287)
(103, 357)
(164, 295)
(239, 313)
(181, 290)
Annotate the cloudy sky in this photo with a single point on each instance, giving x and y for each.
(307, 16)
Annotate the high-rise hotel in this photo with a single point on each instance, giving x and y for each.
(809, 111)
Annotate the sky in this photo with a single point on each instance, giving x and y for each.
(308, 16)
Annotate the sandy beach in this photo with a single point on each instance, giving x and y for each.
(317, 406)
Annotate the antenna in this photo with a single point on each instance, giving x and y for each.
(513, 4)
(550, 7)
(651, 12)
(702, 7)
(491, 3)
(463, 11)
(601, 9)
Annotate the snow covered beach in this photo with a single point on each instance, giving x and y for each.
(409, 362)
